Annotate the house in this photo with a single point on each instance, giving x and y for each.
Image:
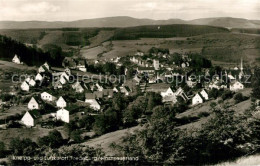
(38, 77)
(30, 118)
(77, 87)
(90, 99)
(156, 64)
(25, 86)
(235, 86)
(47, 97)
(46, 65)
(61, 103)
(33, 105)
(43, 69)
(204, 94)
(197, 99)
(32, 82)
(63, 115)
(125, 90)
(170, 96)
(17, 60)
(169, 92)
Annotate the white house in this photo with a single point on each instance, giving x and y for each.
(236, 86)
(197, 99)
(63, 115)
(61, 103)
(169, 92)
(32, 82)
(16, 60)
(47, 97)
(42, 69)
(38, 77)
(25, 86)
(93, 104)
(90, 99)
(30, 118)
(77, 87)
(204, 94)
(33, 105)
(46, 65)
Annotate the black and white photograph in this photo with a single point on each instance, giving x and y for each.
(130, 82)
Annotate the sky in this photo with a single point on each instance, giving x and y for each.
(69, 10)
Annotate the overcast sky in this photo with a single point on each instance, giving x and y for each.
(67, 10)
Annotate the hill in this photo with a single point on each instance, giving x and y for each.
(227, 22)
(124, 21)
(165, 31)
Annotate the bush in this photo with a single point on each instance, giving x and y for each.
(203, 114)
(239, 97)
(2, 150)
(53, 140)
(227, 95)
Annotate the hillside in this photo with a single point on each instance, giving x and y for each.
(227, 22)
(165, 31)
(124, 21)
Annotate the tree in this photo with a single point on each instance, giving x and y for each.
(2, 149)
(239, 97)
(53, 139)
(256, 92)
(76, 136)
(22, 146)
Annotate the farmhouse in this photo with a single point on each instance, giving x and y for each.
(16, 60)
(32, 82)
(61, 103)
(235, 86)
(38, 77)
(63, 115)
(43, 69)
(90, 99)
(33, 105)
(25, 86)
(204, 94)
(30, 118)
(47, 97)
(197, 99)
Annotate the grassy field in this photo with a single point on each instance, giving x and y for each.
(105, 140)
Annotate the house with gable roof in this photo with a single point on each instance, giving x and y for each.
(25, 86)
(33, 104)
(30, 118)
(61, 103)
(63, 115)
(91, 99)
(17, 60)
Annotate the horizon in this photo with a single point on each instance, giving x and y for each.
(73, 10)
(125, 16)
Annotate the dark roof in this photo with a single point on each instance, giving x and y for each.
(35, 114)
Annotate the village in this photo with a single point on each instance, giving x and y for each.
(175, 79)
